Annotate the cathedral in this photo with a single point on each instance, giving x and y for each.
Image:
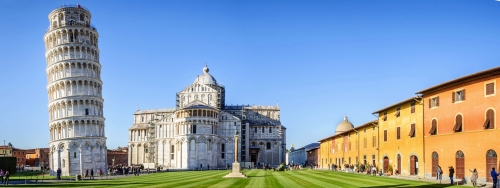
(199, 131)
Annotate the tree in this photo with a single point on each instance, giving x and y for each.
(10, 145)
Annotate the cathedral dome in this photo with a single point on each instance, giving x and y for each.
(206, 78)
(344, 126)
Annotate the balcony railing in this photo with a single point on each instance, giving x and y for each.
(73, 24)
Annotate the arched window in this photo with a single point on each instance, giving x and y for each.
(433, 130)
(192, 145)
(458, 123)
(81, 17)
(268, 146)
(489, 122)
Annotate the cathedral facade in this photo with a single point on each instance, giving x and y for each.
(199, 131)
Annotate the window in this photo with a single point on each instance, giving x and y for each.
(434, 102)
(255, 130)
(458, 123)
(172, 149)
(398, 133)
(490, 88)
(374, 141)
(270, 130)
(74, 154)
(385, 116)
(385, 135)
(398, 112)
(433, 130)
(194, 129)
(365, 130)
(412, 130)
(268, 146)
(86, 111)
(489, 122)
(262, 129)
(365, 142)
(412, 108)
(458, 96)
(18, 159)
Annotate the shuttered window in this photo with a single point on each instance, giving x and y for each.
(490, 88)
(412, 130)
(458, 96)
(374, 141)
(458, 123)
(433, 130)
(385, 116)
(398, 112)
(398, 133)
(489, 122)
(434, 102)
(412, 108)
(385, 135)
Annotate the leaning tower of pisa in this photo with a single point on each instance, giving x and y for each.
(76, 121)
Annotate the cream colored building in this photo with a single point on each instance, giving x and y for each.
(200, 131)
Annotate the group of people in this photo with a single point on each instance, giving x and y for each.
(473, 177)
(86, 175)
(4, 176)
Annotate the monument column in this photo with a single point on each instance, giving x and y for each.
(235, 173)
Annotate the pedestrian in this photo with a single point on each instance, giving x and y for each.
(473, 178)
(201, 166)
(7, 175)
(58, 173)
(208, 166)
(227, 166)
(100, 173)
(86, 173)
(439, 173)
(91, 173)
(1, 175)
(494, 175)
(452, 171)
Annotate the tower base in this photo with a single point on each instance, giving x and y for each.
(236, 172)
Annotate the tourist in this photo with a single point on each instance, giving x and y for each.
(86, 173)
(1, 175)
(227, 166)
(374, 170)
(201, 166)
(208, 166)
(6, 181)
(439, 173)
(91, 173)
(100, 173)
(473, 178)
(452, 171)
(494, 175)
(58, 173)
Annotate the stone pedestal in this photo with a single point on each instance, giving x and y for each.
(236, 172)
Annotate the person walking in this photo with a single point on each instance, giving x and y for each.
(201, 166)
(86, 173)
(494, 175)
(100, 173)
(227, 166)
(91, 173)
(58, 173)
(451, 172)
(1, 175)
(439, 173)
(473, 177)
(7, 175)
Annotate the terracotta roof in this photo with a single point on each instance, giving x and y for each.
(395, 105)
(355, 128)
(5, 147)
(470, 77)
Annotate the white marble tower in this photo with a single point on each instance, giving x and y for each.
(76, 121)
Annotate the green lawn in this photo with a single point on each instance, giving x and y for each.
(256, 178)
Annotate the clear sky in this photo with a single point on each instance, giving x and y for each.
(319, 59)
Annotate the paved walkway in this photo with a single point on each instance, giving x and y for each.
(96, 178)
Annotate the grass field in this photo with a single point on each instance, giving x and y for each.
(256, 178)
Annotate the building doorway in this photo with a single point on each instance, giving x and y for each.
(386, 164)
(491, 162)
(435, 163)
(398, 170)
(460, 164)
(413, 165)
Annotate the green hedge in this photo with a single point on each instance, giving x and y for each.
(8, 164)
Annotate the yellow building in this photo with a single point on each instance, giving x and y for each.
(401, 137)
(349, 145)
(5, 151)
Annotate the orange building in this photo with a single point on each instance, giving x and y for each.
(460, 125)
(401, 142)
(20, 154)
(350, 145)
(38, 157)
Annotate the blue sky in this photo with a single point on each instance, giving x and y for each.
(318, 59)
